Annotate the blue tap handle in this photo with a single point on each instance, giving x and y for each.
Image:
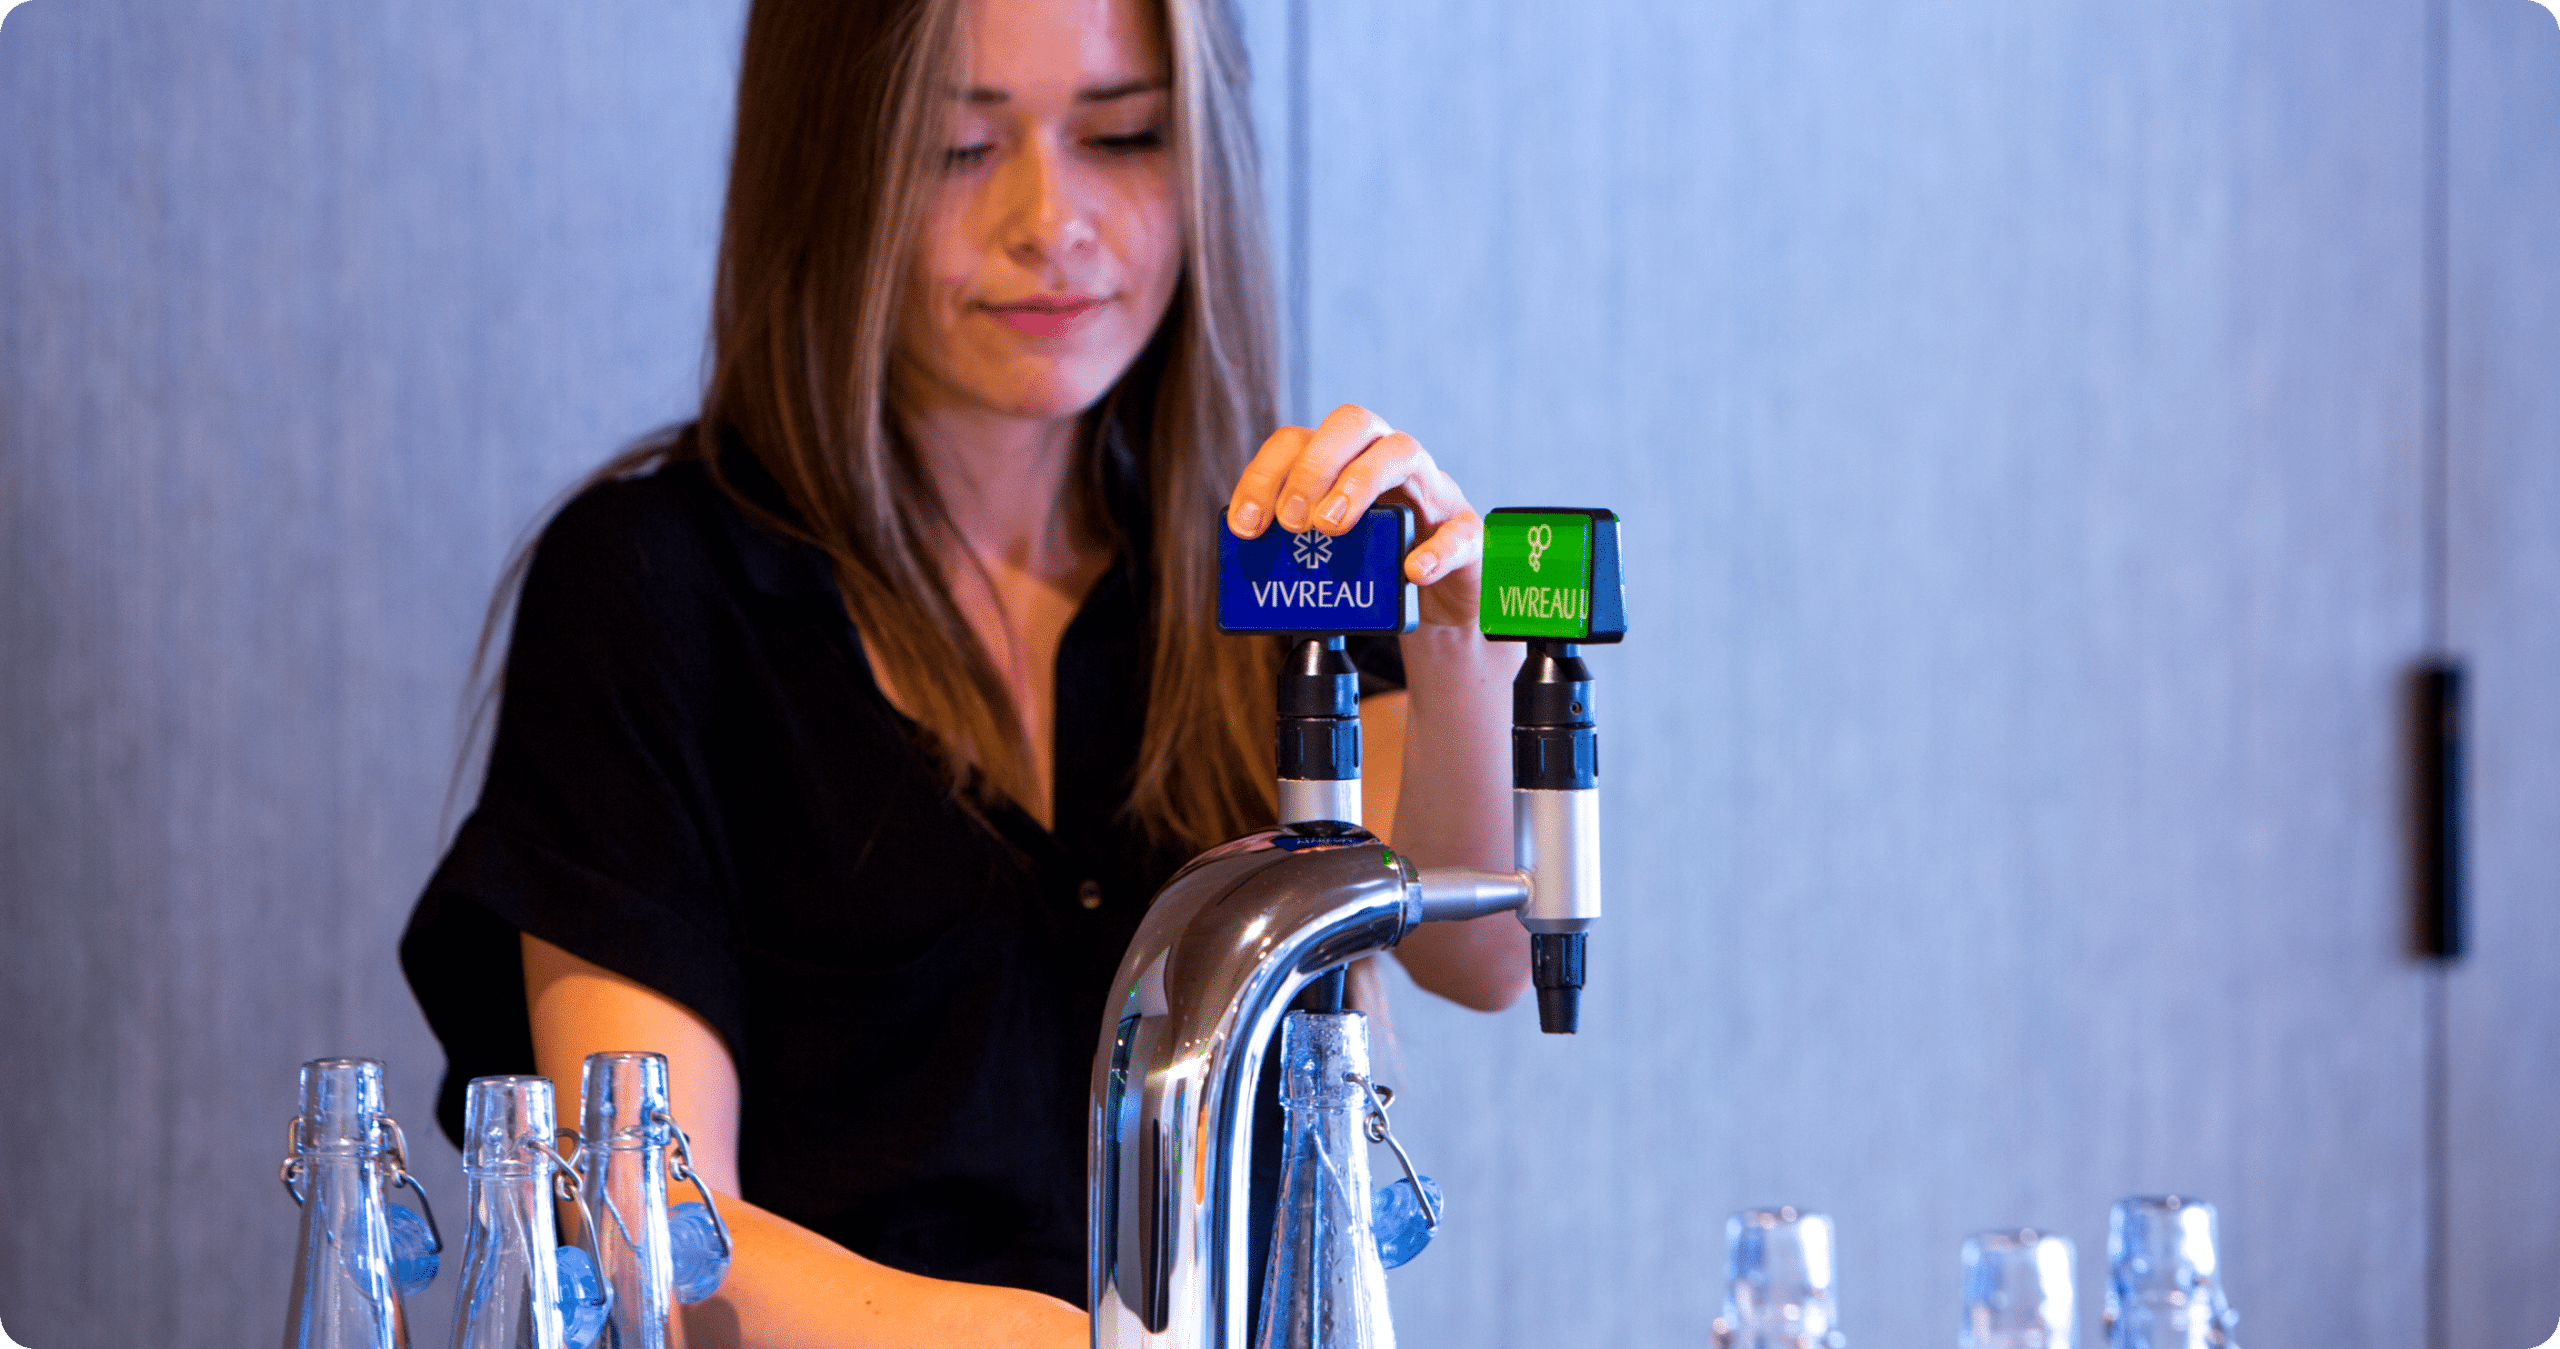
(1312, 584)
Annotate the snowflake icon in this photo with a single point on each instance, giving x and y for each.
(1311, 550)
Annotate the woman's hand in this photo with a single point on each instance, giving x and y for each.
(1323, 479)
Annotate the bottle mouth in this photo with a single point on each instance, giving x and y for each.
(341, 1107)
(623, 1100)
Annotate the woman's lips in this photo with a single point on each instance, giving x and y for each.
(1045, 316)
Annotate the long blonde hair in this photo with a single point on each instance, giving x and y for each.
(840, 109)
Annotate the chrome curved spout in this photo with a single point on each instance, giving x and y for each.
(1230, 940)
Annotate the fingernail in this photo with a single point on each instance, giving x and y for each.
(1248, 517)
(1425, 567)
(1335, 509)
(1293, 513)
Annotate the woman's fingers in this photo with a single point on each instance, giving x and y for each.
(1322, 479)
(1326, 477)
(1292, 477)
(1249, 507)
(1394, 462)
(1316, 496)
(1457, 543)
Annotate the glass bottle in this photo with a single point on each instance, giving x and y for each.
(652, 1254)
(1325, 1287)
(520, 1289)
(2164, 1276)
(1777, 1282)
(355, 1262)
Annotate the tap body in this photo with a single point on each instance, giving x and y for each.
(1237, 933)
(1230, 940)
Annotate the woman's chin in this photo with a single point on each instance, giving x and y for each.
(1063, 393)
(1032, 385)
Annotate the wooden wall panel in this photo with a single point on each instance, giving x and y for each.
(305, 310)
(2015, 409)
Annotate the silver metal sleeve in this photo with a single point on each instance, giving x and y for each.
(1456, 894)
(1555, 837)
(1303, 799)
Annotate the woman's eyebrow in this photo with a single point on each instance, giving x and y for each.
(1100, 93)
(1106, 93)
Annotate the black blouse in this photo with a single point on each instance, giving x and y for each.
(696, 783)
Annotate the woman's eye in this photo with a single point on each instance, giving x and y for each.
(967, 156)
(1127, 143)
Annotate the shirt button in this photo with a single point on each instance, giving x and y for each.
(1089, 894)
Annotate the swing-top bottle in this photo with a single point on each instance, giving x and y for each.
(346, 1153)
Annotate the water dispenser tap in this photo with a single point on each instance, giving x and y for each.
(1241, 930)
(1553, 579)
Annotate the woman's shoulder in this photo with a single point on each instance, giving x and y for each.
(657, 524)
(672, 526)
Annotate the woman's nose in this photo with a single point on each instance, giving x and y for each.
(1045, 216)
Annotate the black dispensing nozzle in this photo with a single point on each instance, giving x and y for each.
(1555, 967)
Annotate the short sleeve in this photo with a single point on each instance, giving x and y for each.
(595, 829)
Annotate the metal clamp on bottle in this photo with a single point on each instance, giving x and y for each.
(1553, 579)
(1316, 590)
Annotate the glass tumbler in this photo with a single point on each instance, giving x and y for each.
(1777, 1290)
(2164, 1276)
(2017, 1292)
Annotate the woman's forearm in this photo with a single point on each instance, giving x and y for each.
(790, 1288)
(1452, 806)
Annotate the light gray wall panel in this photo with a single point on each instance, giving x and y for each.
(2015, 411)
(2504, 1256)
(305, 309)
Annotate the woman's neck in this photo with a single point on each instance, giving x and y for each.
(1007, 484)
(1023, 557)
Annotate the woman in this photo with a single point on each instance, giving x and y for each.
(845, 734)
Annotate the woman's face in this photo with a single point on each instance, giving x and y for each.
(1051, 245)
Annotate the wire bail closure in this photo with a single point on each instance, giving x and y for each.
(395, 1157)
(680, 1168)
(565, 1187)
(1379, 1131)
